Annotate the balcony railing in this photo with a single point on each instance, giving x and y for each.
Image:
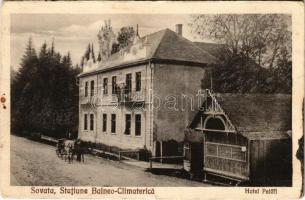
(86, 99)
(122, 96)
(131, 96)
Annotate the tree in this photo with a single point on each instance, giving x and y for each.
(99, 58)
(87, 55)
(115, 48)
(87, 52)
(44, 93)
(259, 37)
(106, 38)
(22, 88)
(260, 46)
(125, 37)
(92, 53)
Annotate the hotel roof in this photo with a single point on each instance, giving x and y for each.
(165, 45)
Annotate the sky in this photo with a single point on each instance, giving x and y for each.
(73, 32)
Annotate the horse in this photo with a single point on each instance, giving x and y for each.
(60, 148)
(68, 150)
(79, 151)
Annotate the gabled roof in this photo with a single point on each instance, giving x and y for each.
(257, 112)
(220, 51)
(255, 116)
(265, 135)
(161, 45)
(175, 47)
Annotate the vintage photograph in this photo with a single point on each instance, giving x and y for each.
(151, 100)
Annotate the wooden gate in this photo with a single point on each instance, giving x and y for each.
(226, 160)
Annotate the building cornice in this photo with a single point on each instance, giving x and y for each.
(136, 63)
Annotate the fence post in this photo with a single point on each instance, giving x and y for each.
(161, 151)
(138, 155)
(150, 164)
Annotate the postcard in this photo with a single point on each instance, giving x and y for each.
(152, 100)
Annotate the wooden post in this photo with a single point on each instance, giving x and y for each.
(150, 164)
(154, 148)
(119, 156)
(161, 151)
(205, 177)
(138, 155)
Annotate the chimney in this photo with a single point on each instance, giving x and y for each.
(179, 29)
(137, 30)
(136, 37)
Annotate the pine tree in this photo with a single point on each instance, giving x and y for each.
(99, 58)
(23, 88)
(52, 48)
(92, 53)
(106, 38)
(44, 93)
(82, 61)
(88, 51)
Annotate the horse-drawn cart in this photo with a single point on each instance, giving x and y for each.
(66, 149)
(60, 147)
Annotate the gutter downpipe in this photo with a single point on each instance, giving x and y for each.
(151, 107)
(96, 107)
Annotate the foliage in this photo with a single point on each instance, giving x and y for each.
(89, 54)
(106, 38)
(124, 38)
(44, 93)
(260, 46)
(260, 37)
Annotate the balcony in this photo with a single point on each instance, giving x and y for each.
(86, 100)
(127, 96)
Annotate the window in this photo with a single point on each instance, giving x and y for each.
(138, 125)
(85, 122)
(138, 81)
(105, 85)
(114, 86)
(113, 123)
(91, 122)
(104, 122)
(92, 88)
(128, 83)
(127, 124)
(225, 151)
(86, 88)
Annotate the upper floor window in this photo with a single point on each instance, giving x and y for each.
(113, 123)
(92, 88)
(128, 83)
(138, 81)
(138, 125)
(127, 124)
(86, 88)
(105, 85)
(85, 122)
(114, 86)
(104, 122)
(91, 122)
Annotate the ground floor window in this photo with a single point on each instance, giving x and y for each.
(127, 124)
(91, 122)
(113, 123)
(104, 122)
(85, 122)
(138, 125)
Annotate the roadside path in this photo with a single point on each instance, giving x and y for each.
(34, 163)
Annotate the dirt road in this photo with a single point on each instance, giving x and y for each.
(34, 163)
